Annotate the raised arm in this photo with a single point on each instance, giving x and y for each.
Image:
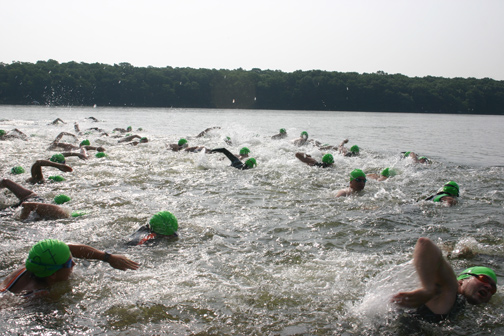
(306, 158)
(438, 281)
(117, 261)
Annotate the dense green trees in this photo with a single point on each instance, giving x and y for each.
(52, 83)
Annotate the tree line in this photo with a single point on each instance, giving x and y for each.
(84, 84)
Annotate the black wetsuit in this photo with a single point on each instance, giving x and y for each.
(322, 165)
(235, 162)
(424, 313)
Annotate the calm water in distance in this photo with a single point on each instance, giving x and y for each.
(269, 251)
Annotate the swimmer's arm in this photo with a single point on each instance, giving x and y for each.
(306, 158)
(439, 284)
(115, 260)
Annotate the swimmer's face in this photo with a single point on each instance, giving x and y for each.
(358, 184)
(476, 291)
(64, 273)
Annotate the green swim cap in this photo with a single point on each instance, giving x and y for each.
(129, 129)
(2, 132)
(56, 178)
(328, 158)
(59, 158)
(77, 213)
(388, 172)
(357, 173)
(164, 223)
(182, 142)
(406, 154)
(144, 139)
(244, 151)
(282, 131)
(85, 143)
(251, 163)
(46, 257)
(17, 170)
(60, 199)
(451, 188)
(304, 134)
(100, 155)
(354, 149)
(478, 270)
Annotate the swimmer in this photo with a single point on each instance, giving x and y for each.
(202, 134)
(182, 143)
(385, 174)
(303, 138)
(327, 160)
(65, 146)
(447, 194)
(13, 134)
(51, 261)
(442, 294)
(244, 153)
(162, 226)
(357, 183)
(354, 150)
(57, 121)
(415, 158)
(134, 143)
(282, 134)
(31, 202)
(197, 149)
(36, 169)
(235, 162)
(122, 130)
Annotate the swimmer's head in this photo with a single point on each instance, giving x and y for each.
(59, 158)
(388, 172)
(283, 131)
(357, 174)
(406, 154)
(100, 155)
(182, 142)
(85, 143)
(143, 140)
(129, 129)
(244, 151)
(2, 132)
(17, 170)
(251, 163)
(164, 223)
(48, 256)
(423, 159)
(355, 149)
(304, 135)
(56, 178)
(478, 270)
(60, 199)
(451, 188)
(328, 159)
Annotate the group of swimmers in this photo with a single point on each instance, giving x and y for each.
(441, 295)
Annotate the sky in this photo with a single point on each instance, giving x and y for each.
(442, 38)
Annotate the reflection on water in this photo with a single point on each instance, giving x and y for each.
(263, 251)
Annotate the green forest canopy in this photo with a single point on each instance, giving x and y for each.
(83, 84)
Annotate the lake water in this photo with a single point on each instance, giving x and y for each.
(267, 251)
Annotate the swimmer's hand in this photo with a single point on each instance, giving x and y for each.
(122, 263)
(412, 299)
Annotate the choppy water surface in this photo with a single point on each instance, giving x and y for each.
(268, 251)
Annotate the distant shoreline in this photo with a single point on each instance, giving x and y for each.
(123, 85)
